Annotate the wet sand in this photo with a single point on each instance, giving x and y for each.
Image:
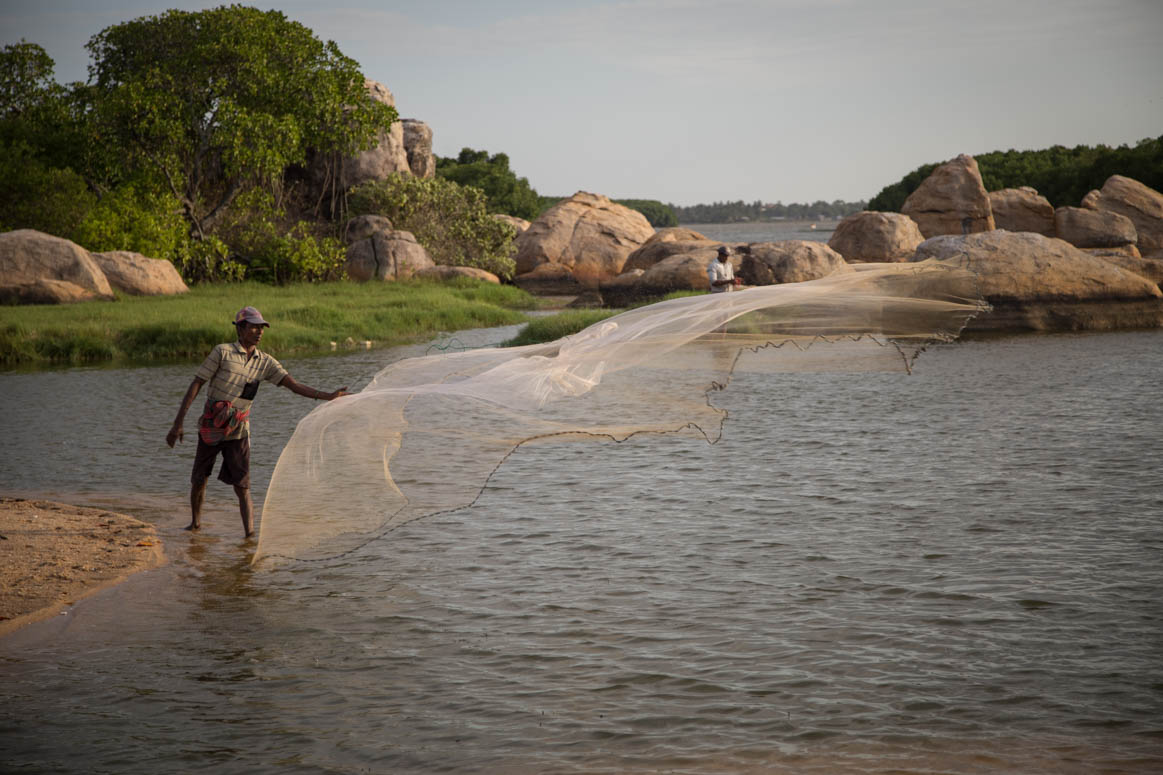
(53, 555)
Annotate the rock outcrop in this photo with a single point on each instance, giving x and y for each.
(657, 251)
(389, 154)
(1142, 204)
(952, 200)
(675, 234)
(44, 291)
(870, 236)
(788, 261)
(138, 275)
(587, 233)
(418, 148)
(34, 264)
(661, 267)
(386, 255)
(1038, 283)
(363, 226)
(519, 224)
(549, 280)
(683, 269)
(1084, 228)
(1022, 209)
(453, 272)
(1151, 268)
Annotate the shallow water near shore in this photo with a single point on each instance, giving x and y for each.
(954, 571)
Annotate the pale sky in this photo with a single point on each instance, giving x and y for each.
(690, 101)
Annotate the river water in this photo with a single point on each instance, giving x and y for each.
(958, 570)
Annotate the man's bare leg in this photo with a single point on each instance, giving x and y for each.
(197, 495)
(246, 508)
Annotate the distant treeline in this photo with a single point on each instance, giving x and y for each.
(1062, 175)
(731, 212)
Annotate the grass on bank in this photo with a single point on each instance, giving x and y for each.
(305, 320)
(551, 327)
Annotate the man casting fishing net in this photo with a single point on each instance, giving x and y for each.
(233, 372)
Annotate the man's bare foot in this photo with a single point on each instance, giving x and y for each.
(193, 526)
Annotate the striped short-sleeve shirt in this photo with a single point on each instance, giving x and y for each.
(227, 372)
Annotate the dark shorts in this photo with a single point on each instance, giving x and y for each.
(235, 468)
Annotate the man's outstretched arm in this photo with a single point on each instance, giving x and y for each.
(310, 392)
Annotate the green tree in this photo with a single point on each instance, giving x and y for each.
(506, 192)
(26, 78)
(1062, 175)
(449, 220)
(220, 101)
(656, 212)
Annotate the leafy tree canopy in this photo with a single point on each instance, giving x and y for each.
(218, 101)
(506, 192)
(26, 77)
(656, 212)
(1062, 175)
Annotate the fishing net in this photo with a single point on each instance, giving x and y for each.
(424, 437)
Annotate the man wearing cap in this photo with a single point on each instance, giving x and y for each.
(234, 372)
(720, 272)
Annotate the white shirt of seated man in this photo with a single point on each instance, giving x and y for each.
(720, 273)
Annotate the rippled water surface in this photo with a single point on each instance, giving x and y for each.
(954, 571)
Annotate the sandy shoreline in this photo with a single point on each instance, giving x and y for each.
(54, 554)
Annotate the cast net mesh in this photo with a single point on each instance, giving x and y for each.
(425, 436)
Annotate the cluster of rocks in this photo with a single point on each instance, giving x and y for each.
(405, 148)
(1097, 266)
(38, 268)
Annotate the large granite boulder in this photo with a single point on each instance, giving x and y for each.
(1142, 204)
(1084, 228)
(587, 233)
(952, 200)
(1022, 209)
(363, 226)
(138, 275)
(789, 261)
(1037, 283)
(453, 272)
(682, 270)
(549, 280)
(519, 224)
(386, 255)
(657, 250)
(675, 234)
(45, 291)
(418, 148)
(870, 236)
(28, 258)
(1151, 268)
(387, 156)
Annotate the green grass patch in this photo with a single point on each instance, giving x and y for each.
(552, 327)
(305, 319)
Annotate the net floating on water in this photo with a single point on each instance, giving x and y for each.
(424, 437)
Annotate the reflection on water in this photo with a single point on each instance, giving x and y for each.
(957, 571)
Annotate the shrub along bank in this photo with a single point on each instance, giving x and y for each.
(305, 319)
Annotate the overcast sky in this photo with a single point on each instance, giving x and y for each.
(691, 101)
